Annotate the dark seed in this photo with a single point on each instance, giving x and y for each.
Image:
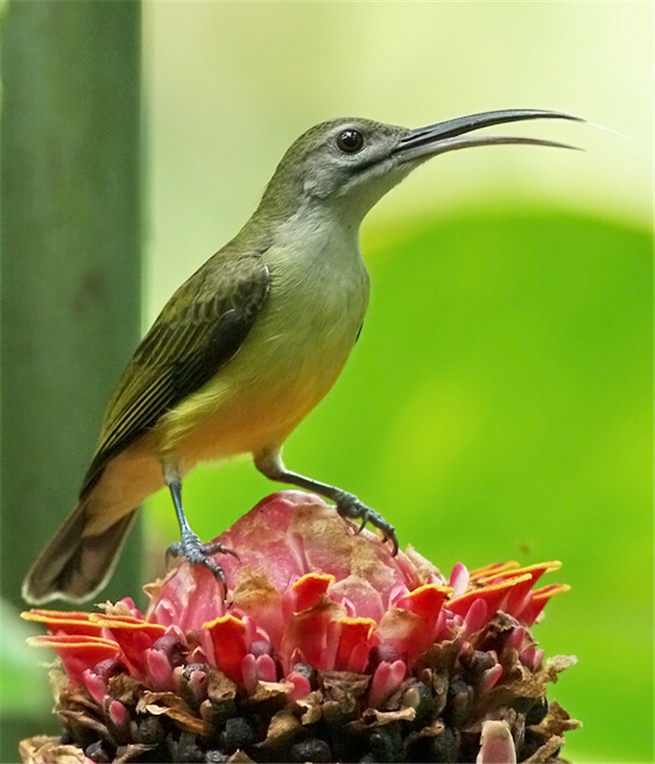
(82, 736)
(238, 733)
(188, 750)
(476, 664)
(445, 747)
(334, 716)
(386, 742)
(99, 752)
(312, 749)
(522, 705)
(459, 703)
(416, 748)
(347, 747)
(538, 711)
(531, 743)
(419, 697)
(150, 730)
(469, 744)
(220, 712)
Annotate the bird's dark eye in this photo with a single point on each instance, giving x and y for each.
(350, 141)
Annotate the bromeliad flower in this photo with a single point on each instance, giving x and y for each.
(324, 647)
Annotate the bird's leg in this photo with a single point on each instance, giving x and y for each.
(189, 545)
(270, 463)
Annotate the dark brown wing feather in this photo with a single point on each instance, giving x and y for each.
(198, 331)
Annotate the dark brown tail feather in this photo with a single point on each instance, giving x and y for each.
(74, 567)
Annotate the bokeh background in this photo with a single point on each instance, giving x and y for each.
(499, 402)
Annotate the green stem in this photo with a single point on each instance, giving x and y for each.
(71, 261)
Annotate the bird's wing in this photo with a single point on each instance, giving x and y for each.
(198, 331)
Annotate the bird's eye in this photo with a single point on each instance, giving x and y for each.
(350, 141)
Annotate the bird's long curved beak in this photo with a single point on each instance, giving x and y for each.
(424, 142)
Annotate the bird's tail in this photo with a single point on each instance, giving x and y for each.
(74, 566)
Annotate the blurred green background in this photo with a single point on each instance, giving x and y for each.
(499, 403)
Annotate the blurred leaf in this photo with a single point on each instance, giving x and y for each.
(24, 688)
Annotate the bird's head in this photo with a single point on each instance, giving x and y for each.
(350, 163)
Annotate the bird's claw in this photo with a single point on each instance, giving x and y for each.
(350, 507)
(192, 549)
(215, 547)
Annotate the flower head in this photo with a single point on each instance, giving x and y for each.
(323, 646)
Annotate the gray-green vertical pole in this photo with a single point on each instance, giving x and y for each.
(71, 260)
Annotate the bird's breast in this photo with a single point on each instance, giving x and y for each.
(292, 356)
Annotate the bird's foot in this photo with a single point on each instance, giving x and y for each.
(350, 507)
(192, 549)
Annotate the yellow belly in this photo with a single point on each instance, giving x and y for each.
(259, 397)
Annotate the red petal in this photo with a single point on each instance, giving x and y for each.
(118, 714)
(306, 636)
(425, 601)
(492, 594)
(476, 617)
(459, 579)
(301, 685)
(229, 640)
(407, 632)
(386, 680)
(249, 672)
(489, 678)
(511, 569)
(134, 637)
(538, 600)
(62, 622)
(493, 570)
(96, 686)
(355, 641)
(519, 595)
(122, 621)
(159, 672)
(77, 653)
(310, 589)
(518, 599)
(515, 639)
(266, 668)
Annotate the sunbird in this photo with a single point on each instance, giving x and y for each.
(250, 343)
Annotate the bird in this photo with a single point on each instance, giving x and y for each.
(249, 344)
